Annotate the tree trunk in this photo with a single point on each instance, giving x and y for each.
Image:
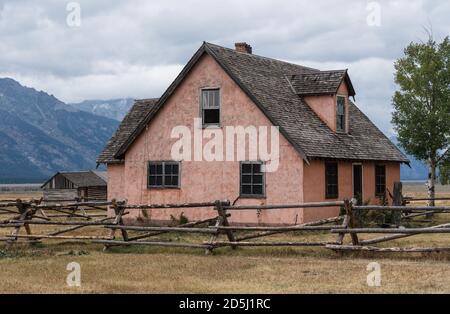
(431, 181)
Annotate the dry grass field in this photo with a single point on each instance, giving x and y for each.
(41, 268)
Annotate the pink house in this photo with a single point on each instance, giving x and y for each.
(328, 149)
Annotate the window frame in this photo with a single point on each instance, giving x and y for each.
(163, 163)
(380, 194)
(344, 127)
(327, 195)
(263, 183)
(202, 110)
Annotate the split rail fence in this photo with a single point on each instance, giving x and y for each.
(110, 230)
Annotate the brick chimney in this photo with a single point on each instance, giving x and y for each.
(243, 47)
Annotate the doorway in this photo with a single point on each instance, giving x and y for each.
(358, 183)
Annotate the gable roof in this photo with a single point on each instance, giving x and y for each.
(130, 122)
(268, 83)
(82, 179)
(320, 83)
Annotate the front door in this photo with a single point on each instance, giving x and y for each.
(357, 182)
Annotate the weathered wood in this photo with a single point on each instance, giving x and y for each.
(150, 243)
(59, 205)
(351, 224)
(161, 206)
(64, 223)
(70, 214)
(403, 208)
(10, 225)
(387, 250)
(9, 211)
(222, 212)
(49, 237)
(340, 237)
(397, 236)
(119, 210)
(269, 233)
(24, 210)
(284, 229)
(186, 225)
(283, 206)
(75, 228)
(392, 230)
(214, 236)
(242, 243)
(414, 199)
(417, 215)
(167, 229)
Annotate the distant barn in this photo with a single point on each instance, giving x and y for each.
(81, 184)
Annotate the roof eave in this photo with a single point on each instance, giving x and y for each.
(122, 150)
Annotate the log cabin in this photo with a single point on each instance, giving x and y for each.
(85, 185)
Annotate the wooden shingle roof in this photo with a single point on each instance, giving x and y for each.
(82, 179)
(320, 83)
(130, 122)
(272, 85)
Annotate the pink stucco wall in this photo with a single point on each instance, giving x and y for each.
(325, 106)
(293, 182)
(314, 184)
(206, 181)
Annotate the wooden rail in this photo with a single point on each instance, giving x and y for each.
(218, 228)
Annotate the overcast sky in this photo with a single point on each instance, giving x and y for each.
(136, 48)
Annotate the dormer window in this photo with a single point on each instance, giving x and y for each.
(340, 114)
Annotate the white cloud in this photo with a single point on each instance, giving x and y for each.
(135, 48)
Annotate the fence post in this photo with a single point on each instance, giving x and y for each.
(345, 223)
(223, 213)
(24, 210)
(397, 200)
(214, 236)
(118, 211)
(349, 211)
(349, 221)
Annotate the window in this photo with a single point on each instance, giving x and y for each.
(163, 174)
(340, 114)
(252, 179)
(210, 104)
(331, 180)
(380, 180)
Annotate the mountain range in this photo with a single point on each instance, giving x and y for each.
(40, 134)
(114, 108)
(417, 170)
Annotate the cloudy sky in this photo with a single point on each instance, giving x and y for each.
(135, 48)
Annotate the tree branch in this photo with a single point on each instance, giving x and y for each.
(443, 156)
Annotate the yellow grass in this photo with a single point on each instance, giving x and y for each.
(42, 268)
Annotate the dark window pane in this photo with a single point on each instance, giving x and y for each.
(211, 116)
(258, 178)
(257, 190)
(168, 168)
(256, 168)
(159, 168)
(152, 180)
(159, 180)
(175, 169)
(331, 180)
(246, 179)
(152, 169)
(246, 189)
(175, 180)
(246, 168)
